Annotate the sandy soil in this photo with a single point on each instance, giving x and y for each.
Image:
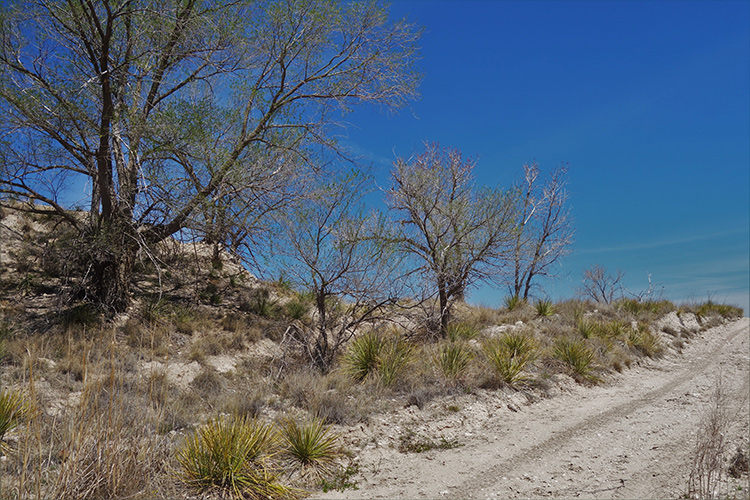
(631, 437)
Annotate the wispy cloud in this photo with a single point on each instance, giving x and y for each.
(647, 245)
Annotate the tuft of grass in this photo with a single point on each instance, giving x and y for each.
(513, 302)
(510, 355)
(14, 409)
(544, 307)
(234, 456)
(297, 309)
(395, 356)
(587, 328)
(453, 359)
(461, 331)
(363, 357)
(710, 308)
(642, 339)
(311, 447)
(577, 356)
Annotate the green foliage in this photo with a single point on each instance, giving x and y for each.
(512, 302)
(458, 331)
(395, 356)
(342, 479)
(453, 359)
(363, 357)
(710, 308)
(645, 341)
(375, 354)
(639, 307)
(210, 294)
(261, 304)
(154, 309)
(587, 328)
(233, 455)
(14, 409)
(577, 356)
(297, 309)
(510, 355)
(310, 446)
(544, 307)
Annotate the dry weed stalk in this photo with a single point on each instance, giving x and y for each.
(712, 443)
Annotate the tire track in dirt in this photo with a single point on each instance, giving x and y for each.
(631, 438)
(529, 458)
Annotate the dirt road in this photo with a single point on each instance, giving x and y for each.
(631, 437)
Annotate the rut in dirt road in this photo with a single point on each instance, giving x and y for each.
(622, 423)
(630, 438)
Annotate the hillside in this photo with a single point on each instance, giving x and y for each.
(112, 401)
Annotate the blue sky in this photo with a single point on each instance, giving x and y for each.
(649, 103)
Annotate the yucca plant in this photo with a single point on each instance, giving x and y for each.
(587, 328)
(577, 356)
(645, 341)
(510, 355)
(512, 302)
(395, 356)
(363, 357)
(453, 359)
(235, 456)
(544, 308)
(459, 331)
(310, 448)
(14, 409)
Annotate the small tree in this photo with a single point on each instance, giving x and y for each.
(457, 232)
(326, 244)
(545, 229)
(602, 286)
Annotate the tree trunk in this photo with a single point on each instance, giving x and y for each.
(109, 251)
(444, 310)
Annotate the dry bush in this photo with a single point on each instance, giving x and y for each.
(710, 452)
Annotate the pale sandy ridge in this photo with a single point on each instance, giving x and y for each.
(630, 438)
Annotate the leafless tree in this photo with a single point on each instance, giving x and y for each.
(154, 107)
(545, 229)
(456, 233)
(601, 286)
(326, 244)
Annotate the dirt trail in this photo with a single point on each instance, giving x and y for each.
(630, 438)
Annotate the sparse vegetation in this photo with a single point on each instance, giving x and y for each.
(576, 356)
(511, 355)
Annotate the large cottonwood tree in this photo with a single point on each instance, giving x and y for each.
(150, 111)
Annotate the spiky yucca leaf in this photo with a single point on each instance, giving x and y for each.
(311, 447)
(577, 356)
(510, 355)
(233, 455)
(14, 409)
(452, 359)
(363, 357)
(544, 307)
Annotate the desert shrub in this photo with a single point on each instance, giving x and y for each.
(154, 309)
(577, 356)
(82, 315)
(297, 309)
(453, 360)
(14, 409)
(615, 329)
(363, 356)
(510, 355)
(207, 382)
(111, 446)
(235, 456)
(461, 331)
(395, 356)
(710, 308)
(587, 328)
(310, 449)
(645, 341)
(512, 302)
(544, 307)
(260, 303)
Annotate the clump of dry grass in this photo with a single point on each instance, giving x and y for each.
(712, 443)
